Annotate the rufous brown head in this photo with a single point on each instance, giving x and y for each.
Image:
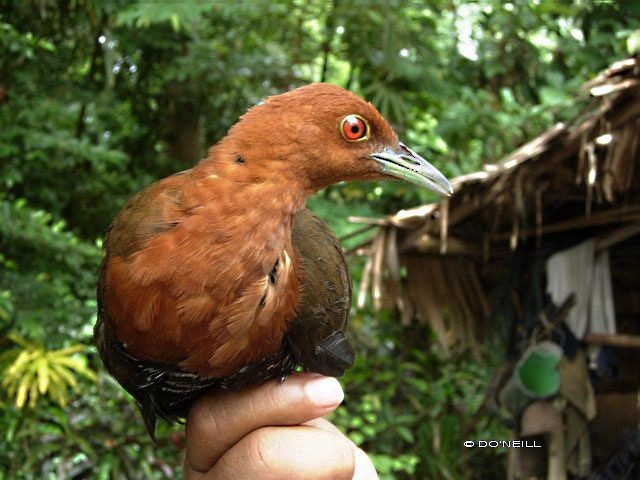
(318, 135)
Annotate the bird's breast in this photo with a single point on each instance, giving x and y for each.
(251, 324)
(213, 296)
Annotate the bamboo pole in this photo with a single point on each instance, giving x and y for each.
(613, 340)
(619, 215)
(617, 236)
(357, 248)
(356, 232)
(370, 221)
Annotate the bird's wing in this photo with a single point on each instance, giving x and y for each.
(134, 279)
(317, 336)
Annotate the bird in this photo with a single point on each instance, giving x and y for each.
(218, 277)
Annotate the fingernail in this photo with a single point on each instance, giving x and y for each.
(324, 392)
(364, 469)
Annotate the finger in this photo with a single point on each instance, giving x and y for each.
(364, 469)
(323, 424)
(217, 421)
(274, 453)
(364, 466)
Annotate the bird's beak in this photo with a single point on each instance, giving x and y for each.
(405, 164)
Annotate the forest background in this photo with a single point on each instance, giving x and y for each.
(100, 98)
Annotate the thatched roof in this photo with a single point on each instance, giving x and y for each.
(573, 177)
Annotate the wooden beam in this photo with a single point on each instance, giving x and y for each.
(356, 232)
(618, 215)
(369, 221)
(613, 340)
(365, 243)
(617, 236)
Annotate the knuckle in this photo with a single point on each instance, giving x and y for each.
(212, 419)
(279, 394)
(286, 403)
(278, 405)
(197, 410)
(207, 424)
(190, 474)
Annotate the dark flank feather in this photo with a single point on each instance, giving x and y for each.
(325, 299)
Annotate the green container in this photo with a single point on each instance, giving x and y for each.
(535, 377)
(538, 371)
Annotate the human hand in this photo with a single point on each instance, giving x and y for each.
(272, 431)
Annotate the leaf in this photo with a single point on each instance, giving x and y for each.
(65, 352)
(57, 388)
(22, 390)
(19, 364)
(406, 434)
(106, 466)
(633, 43)
(23, 342)
(33, 394)
(42, 370)
(78, 366)
(65, 375)
(175, 22)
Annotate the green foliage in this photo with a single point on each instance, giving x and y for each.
(32, 370)
(98, 99)
(49, 298)
(92, 437)
(413, 407)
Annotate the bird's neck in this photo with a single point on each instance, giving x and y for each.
(258, 215)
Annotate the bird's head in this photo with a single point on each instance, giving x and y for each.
(318, 135)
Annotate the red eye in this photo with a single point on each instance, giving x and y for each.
(354, 128)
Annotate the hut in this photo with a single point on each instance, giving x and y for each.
(539, 251)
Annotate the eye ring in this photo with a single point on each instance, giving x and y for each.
(354, 128)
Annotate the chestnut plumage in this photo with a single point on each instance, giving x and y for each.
(218, 277)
